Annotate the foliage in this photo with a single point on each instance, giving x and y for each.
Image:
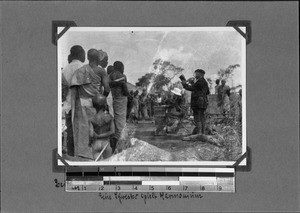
(160, 81)
(228, 72)
(163, 73)
(166, 68)
(228, 133)
(144, 80)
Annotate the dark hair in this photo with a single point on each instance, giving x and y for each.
(99, 101)
(110, 69)
(217, 81)
(118, 65)
(93, 55)
(76, 52)
(200, 71)
(70, 58)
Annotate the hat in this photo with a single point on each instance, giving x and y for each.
(102, 54)
(176, 91)
(200, 71)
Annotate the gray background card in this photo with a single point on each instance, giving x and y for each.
(29, 98)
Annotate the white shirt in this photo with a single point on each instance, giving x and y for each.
(67, 73)
(69, 70)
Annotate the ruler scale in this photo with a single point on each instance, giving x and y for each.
(114, 179)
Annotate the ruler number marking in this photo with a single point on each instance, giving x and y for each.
(75, 188)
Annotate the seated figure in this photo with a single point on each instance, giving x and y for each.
(176, 111)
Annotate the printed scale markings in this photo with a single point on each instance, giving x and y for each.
(206, 180)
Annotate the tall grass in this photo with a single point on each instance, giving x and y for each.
(229, 136)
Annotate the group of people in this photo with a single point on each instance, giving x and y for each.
(94, 103)
(97, 103)
(223, 97)
(177, 107)
(199, 101)
(141, 106)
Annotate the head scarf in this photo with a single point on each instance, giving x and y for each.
(102, 55)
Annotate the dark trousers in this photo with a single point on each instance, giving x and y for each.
(70, 139)
(199, 118)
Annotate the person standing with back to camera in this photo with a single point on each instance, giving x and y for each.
(119, 91)
(75, 59)
(199, 100)
(86, 82)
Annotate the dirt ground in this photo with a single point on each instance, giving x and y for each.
(173, 147)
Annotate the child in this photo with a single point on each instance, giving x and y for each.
(101, 128)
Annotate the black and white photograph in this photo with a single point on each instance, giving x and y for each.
(151, 95)
(149, 106)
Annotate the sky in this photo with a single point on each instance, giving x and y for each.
(210, 49)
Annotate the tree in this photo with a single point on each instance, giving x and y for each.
(166, 68)
(163, 73)
(144, 80)
(160, 81)
(228, 72)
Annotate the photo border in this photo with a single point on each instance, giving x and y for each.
(148, 163)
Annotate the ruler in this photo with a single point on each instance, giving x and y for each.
(151, 180)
